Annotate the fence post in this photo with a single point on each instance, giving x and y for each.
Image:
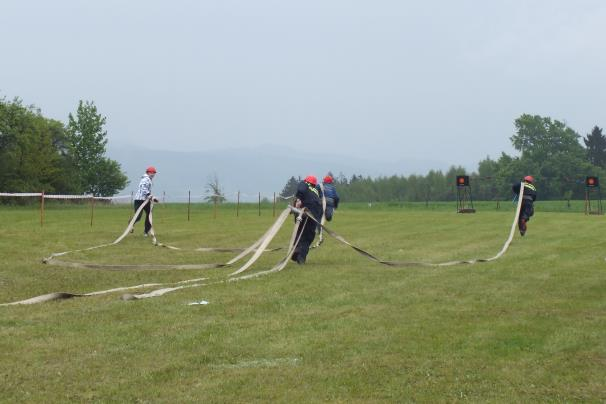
(215, 207)
(163, 196)
(259, 203)
(188, 203)
(274, 210)
(238, 205)
(92, 209)
(42, 209)
(131, 205)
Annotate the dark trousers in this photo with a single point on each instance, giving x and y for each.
(146, 208)
(527, 210)
(307, 231)
(328, 213)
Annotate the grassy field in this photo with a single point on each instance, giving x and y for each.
(528, 327)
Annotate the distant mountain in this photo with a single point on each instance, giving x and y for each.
(264, 169)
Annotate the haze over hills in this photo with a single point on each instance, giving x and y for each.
(264, 169)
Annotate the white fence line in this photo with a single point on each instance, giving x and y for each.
(50, 196)
(91, 199)
(236, 197)
(21, 194)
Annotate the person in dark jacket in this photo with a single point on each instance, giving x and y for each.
(331, 195)
(307, 196)
(530, 195)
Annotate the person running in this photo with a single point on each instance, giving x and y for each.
(143, 193)
(332, 198)
(307, 196)
(530, 195)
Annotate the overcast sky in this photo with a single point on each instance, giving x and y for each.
(442, 80)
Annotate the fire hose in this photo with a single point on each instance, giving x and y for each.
(258, 246)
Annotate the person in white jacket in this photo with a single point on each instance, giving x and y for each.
(144, 192)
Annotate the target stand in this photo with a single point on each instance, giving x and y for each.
(593, 196)
(464, 198)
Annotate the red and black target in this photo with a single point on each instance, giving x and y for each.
(462, 180)
(592, 182)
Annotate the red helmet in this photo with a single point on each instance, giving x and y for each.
(327, 179)
(312, 180)
(529, 178)
(151, 170)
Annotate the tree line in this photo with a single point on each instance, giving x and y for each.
(548, 149)
(42, 154)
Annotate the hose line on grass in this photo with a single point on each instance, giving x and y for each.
(426, 264)
(51, 260)
(259, 246)
(306, 216)
(294, 241)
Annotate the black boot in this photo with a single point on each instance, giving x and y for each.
(295, 256)
(522, 226)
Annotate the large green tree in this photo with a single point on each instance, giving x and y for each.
(595, 142)
(540, 137)
(87, 140)
(33, 154)
(551, 151)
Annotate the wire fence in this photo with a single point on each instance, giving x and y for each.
(40, 198)
(220, 205)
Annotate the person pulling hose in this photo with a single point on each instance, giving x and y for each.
(530, 195)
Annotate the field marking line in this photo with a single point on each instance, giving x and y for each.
(258, 363)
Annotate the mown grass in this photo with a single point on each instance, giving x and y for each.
(528, 327)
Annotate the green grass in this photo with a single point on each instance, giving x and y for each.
(528, 327)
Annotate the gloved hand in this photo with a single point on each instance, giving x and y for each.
(155, 200)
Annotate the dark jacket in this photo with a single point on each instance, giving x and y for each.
(310, 197)
(530, 191)
(330, 193)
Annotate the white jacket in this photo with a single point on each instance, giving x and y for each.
(144, 188)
